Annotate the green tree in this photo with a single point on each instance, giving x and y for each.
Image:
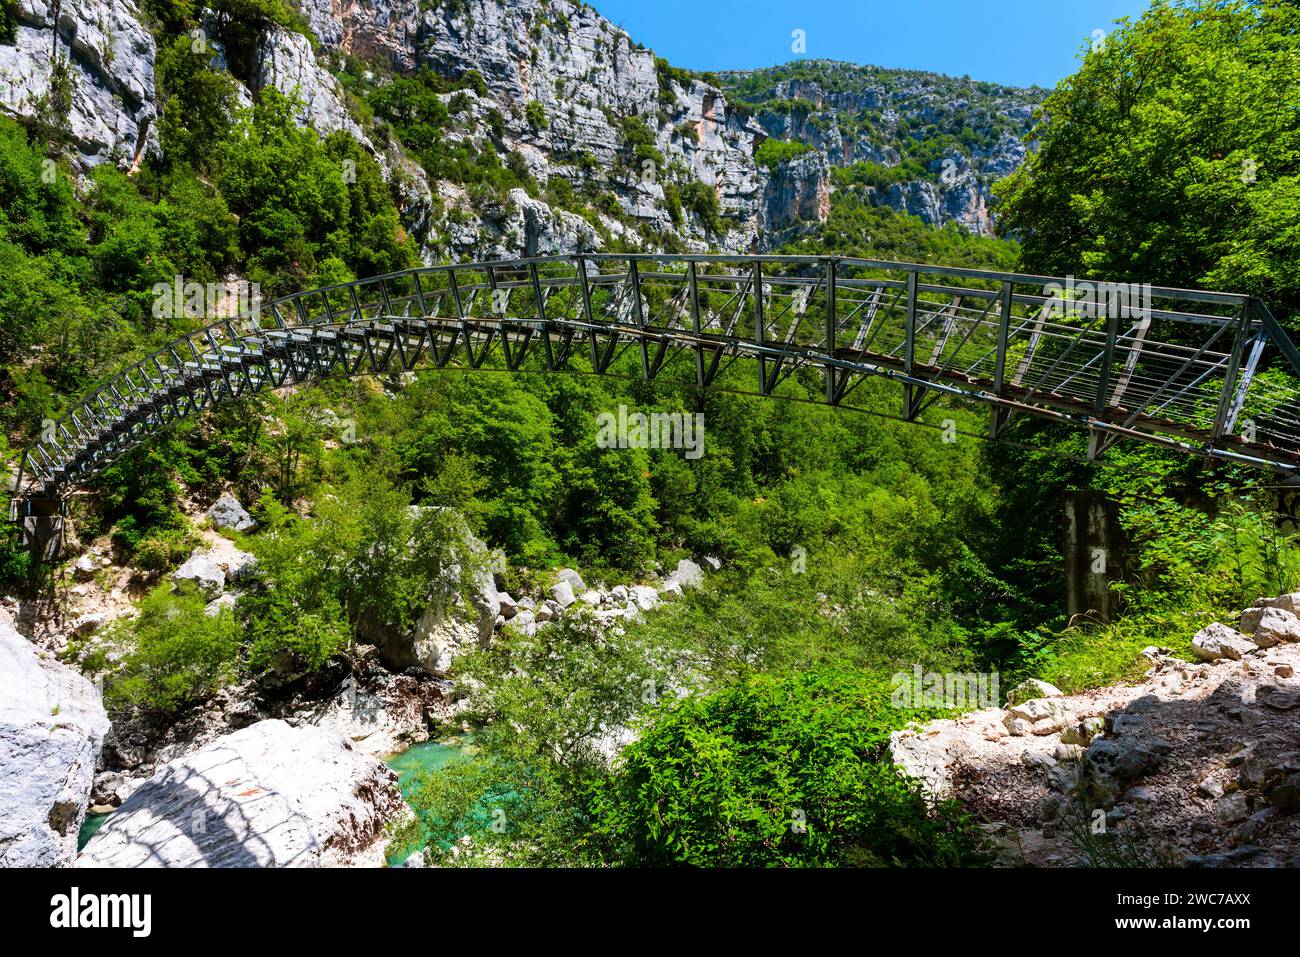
(196, 102)
(172, 654)
(1173, 155)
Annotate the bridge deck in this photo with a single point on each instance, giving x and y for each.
(1210, 373)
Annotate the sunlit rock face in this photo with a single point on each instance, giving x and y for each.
(106, 80)
(52, 726)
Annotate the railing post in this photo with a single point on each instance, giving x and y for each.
(1107, 359)
(638, 313)
(419, 298)
(758, 326)
(541, 314)
(693, 282)
(585, 288)
(1004, 333)
(455, 294)
(830, 330)
(909, 344)
(1242, 320)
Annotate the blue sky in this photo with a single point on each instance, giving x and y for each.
(1018, 42)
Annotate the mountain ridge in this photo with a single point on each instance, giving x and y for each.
(605, 145)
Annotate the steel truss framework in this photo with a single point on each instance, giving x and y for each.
(1170, 366)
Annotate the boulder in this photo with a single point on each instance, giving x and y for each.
(84, 568)
(443, 631)
(1209, 787)
(1017, 727)
(52, 726)
(1251, 616)
(1216, 641)
(218, 605)
(1232, 808)
(1290, 602)
(573, 578)
(204, 572)
(643, 597)
(1286, 796)
(1081, 734)
(506, 605)
(1276, 625)
(526, 621)
(1032, 688)
(670, 590)
(269, 795)
(562, 593)
(226, 512)
(1036, 709)
(382, 717)
(687, 574)
(88, 624)
(1112, 764)
(239, 565)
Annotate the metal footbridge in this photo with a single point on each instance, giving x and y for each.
(1212, 374)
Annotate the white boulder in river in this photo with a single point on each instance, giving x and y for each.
(269, 795)
(52, 725)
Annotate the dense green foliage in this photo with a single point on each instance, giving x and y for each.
(853, 546)
(1173, 156)
(776, 771)
(772, 153)
(366, 560)
(173, 654)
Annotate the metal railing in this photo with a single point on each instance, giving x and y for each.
(1177, 367)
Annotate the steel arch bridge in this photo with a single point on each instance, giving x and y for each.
(1209, 373)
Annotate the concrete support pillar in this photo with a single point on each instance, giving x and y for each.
(1094, 554)
(44, 526)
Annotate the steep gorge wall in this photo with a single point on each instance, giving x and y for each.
(561, 59)
(863, 114)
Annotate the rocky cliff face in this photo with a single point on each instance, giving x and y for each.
(860, 114)
(564, 63)
(564, 91)
(52, 724)
(89, 63)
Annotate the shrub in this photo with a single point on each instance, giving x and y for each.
(535, 114)
(777, 771)
(173, 653)
(701, 200)
(772, 153)
(165, 549)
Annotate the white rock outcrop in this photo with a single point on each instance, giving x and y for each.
(269, 795)
(204, 572)
(687, 574)
(52, 726)
(226, 512)
(451, 624)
